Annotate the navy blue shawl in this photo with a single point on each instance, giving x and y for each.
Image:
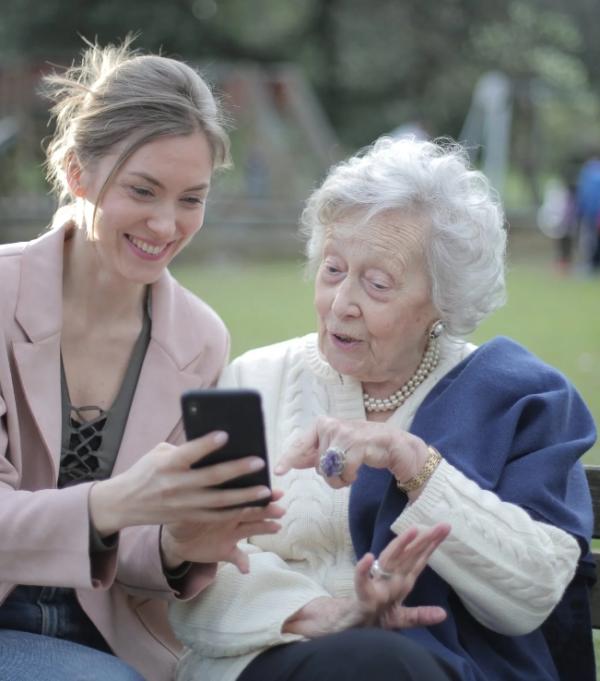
(515, 426)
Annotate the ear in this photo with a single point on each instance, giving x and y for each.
(75, 176)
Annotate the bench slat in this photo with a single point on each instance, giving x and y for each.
(593, 477)
(595, 597)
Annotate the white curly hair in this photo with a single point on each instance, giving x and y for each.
(460, 214)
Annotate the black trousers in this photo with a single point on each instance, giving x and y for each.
(351, 655)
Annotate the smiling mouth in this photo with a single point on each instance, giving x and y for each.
(145, 247)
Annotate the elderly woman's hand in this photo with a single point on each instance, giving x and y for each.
(383, 584)
(380, 445)
(380, 592)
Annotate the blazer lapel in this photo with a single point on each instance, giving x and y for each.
(155, 409)
(38, 365)
(39, 313)
(169, 369)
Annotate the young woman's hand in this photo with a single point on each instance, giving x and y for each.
(207, 542)
(161, 488)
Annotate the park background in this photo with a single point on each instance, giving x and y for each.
(307, 82)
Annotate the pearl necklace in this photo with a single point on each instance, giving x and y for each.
(426, 366)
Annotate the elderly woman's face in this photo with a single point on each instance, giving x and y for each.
(372, 297)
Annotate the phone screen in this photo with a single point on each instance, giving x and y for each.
(238, 412)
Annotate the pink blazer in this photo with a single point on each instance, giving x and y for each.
(44, 532)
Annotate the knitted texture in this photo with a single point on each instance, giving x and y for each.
(515, 428)
(240, 615)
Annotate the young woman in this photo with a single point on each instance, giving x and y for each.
(102, 520)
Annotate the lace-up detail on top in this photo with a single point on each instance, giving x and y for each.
(91, 436)
(79, 459)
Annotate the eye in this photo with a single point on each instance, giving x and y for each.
(377, 280)
(330, 272)
(194, 201)
(331, 266)
(142, 192)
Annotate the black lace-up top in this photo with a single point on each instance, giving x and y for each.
(91, 436)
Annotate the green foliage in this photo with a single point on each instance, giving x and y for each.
(525, 38)
(375, 63)
(244, 22)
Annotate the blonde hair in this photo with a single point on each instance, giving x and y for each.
(117, 94)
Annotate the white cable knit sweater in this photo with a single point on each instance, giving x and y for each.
(509, 570)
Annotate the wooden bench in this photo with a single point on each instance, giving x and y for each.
(593, 476)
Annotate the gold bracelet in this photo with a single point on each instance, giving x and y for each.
(431, 463)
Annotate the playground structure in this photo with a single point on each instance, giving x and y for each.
(282, 145)
(486, 131)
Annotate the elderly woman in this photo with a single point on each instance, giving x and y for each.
(407, 425)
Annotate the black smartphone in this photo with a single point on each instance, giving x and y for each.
(238, 412)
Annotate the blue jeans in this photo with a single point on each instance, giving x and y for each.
(45, 635)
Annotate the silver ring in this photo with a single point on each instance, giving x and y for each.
(377, 572)
(332, 462)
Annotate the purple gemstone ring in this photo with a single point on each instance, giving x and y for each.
(332, 462)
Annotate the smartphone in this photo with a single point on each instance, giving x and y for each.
(238, 412)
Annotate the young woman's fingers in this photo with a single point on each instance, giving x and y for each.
(219, 473)
(245, 530)
(196, 450)
(213, 499)
(240, 559)
(276, 494)
(252, 514)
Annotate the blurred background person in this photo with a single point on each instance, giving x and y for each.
(588, 212)
(558, 217)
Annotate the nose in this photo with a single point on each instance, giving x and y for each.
(162, 222)
(345, 303)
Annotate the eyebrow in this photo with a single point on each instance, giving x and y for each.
(156, 183)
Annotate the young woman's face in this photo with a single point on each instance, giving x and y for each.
(152, 207)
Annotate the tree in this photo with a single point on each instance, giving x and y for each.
(375, 63)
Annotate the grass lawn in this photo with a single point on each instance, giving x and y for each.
(558, 318)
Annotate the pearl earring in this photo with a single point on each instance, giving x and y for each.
(436, 329)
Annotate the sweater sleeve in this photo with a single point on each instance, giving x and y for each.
(508, 569)
(241, 614)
